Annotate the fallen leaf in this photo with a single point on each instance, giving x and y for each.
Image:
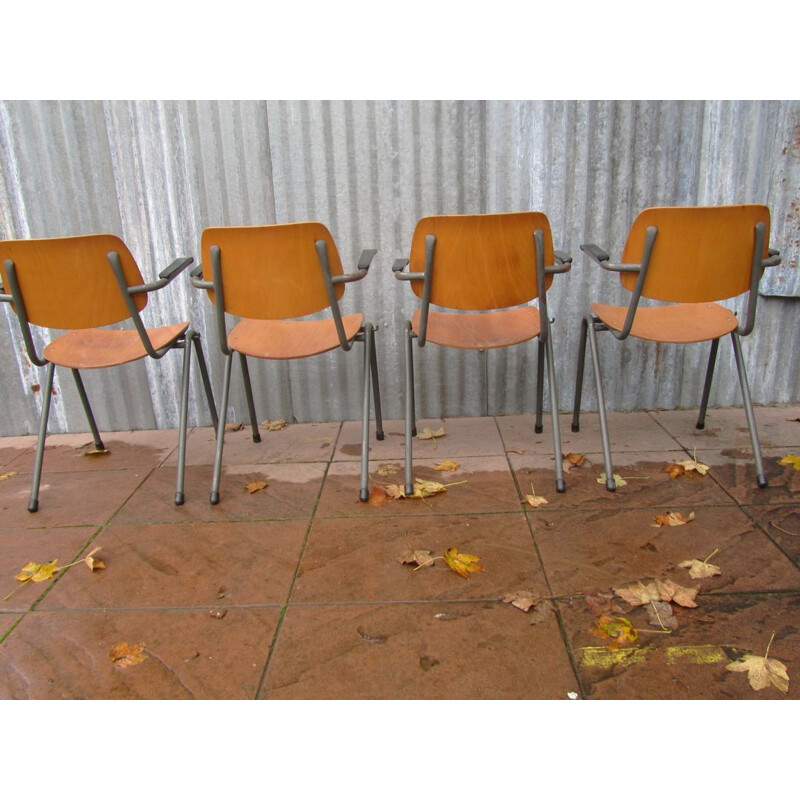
(447, 466)
(462, 563)
(672, 519)
(678, 468)
(256, 486)
(394, 491)
(618, 479)
(700, 569)
(92, 562)
(535, 500)
(572, 460)
(372, 639)
(674, 592)
(619, 629)
(126, 655)
(6, 475)
(217, 613)
(234, 426)
(541, 612)
(793, 419)
(601, 603)
(429, 433)
(761, 672)
(384, 470)
(377, 496)
(38, 572)
(639, 594)
(661, 614)
(97, 452)
(793, 460)
(274, 425)
(523, 599)
(517, 450)
(422, 558)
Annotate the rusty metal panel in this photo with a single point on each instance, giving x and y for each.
(157, 172)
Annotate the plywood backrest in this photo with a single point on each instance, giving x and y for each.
(701, 254)
(272, 271)
(68, 282)
(482, 261)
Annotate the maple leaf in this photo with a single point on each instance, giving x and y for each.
(619, 629)
(522, 599)
(639, 594)
(601, 603)
(38, 572)
(674, 592)
(92, 562)
(126, 655)
(618, 479)
(447, 466)
(535, 500)
(384, 470)
(256, 486)
(429, 433)
(462, 563)
(661, 614)
(672, 519)
(678, 468)
(6, 475)
(274, 425)
(793, 460)
(701, 569)
(378, 496)
(422, 558)
(572, 460)
(233, 426)
(762, 671)
(394, 491)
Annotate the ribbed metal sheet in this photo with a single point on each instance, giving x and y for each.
(157, 173)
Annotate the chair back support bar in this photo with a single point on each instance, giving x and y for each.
(467, 253)
(68, 282)
(701, 255)
(272, 271)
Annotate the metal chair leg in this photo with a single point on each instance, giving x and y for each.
(601, 403)
(226, 385)
(98, 442)
(376, 393)
(561, 485)
(368, 344)
(33, 503)
(410, 427)
(201, 363)
(576, 406)
(712, 360)
(184, 414)
(748, 410)
(248, 392)
(540, 358)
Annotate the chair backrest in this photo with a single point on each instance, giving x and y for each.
(482, 261)
(272, 271)
(701, 253)
(68, 282)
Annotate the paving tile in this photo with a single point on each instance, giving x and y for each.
(192, 564)
(481, 485)
(727, 427)
(294, 443)
(464, 436)
(291, 494)
(628, 431)
(596, 551)
(782, 524)
(357, 561)
(647, 485)
(735, 471)
(690, 662)
(41, 546)
(65, 655)
(67, 499)
(418, 651)
(12, 447)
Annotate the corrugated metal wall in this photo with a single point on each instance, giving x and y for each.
(157, 173)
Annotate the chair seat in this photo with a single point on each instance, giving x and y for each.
(285, 339)
(681, 323)
(95, 348)
(481, 331)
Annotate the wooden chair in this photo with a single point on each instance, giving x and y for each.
(82, 284)
(270, 276)
(690, 258)
(491, 263)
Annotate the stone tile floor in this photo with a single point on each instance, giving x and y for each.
(296, 591)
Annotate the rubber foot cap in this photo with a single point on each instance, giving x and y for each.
(610, 485)
(364, 495)
(762, 481)
(538, 428)
(700, 426)
(561, 486)
(257, 438)
(33, 506)
(179, 498)
(214, 499)
(379, 435)
(413, 431)
(575, 427)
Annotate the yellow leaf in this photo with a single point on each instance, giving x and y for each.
(678, 468)
(6, 475)
(429, 433)
(462, 563)
(92, 562)
(672, 519)
(618, 479)
(700, 569)
(535, 501)
(274, 425)
(619, 629)
(126, 655)
(762, 672)
(793, 460)
(38, 572)
(256, 486)
(447, 466)
(424, 488)
(97, 452)
(572, 460)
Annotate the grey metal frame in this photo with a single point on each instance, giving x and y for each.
(185, 342)
(366, 334)
(544, 352)
(591, 325)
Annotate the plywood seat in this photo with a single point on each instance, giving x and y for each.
(285, 339)
(682, 323)
(481, 331)
(93, 348)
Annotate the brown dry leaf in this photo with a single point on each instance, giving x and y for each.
(462, 563)
(38, 572)
(92, 562)
(126, 655)
(619, 629)
(378, 496)
(601, 603)
(517, 450)
(96, 452)
(6, 475)
(394, 491)
(534, 500)
(541, 612)
(429, 433)
(234, 426)
(447, 465)
(661, 614)
(678, 468)
(274, 425)
(384, 470)
(522, 599)
(701, 569)
(639, 594)
(793, 460)
(217, 613)
(618, 479)
(672, 519)
(572, 460)
(762, 672)
(421, 558)
(256, 486)
(423, 488)
(674, 592)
